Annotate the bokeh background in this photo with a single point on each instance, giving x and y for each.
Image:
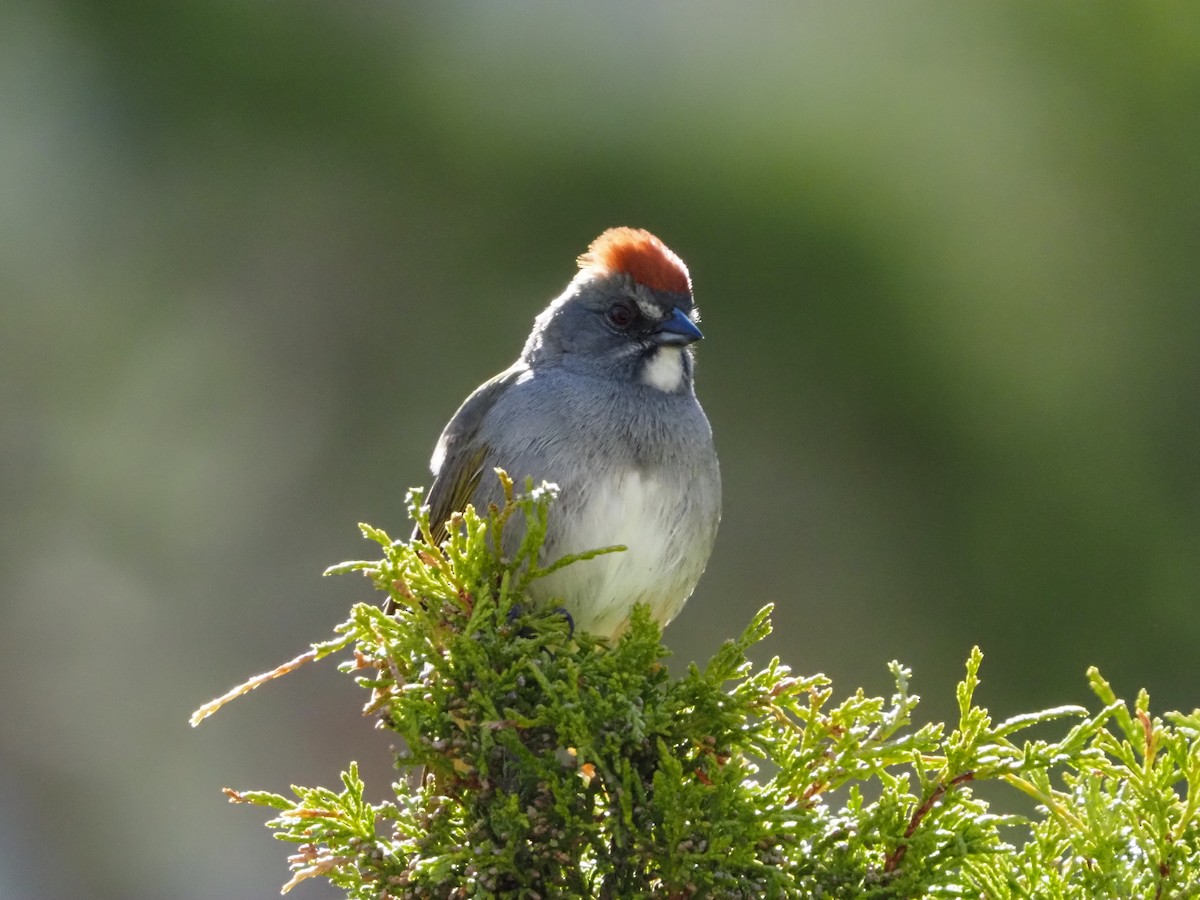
(252, 255)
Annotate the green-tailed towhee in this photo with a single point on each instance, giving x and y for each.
(600, 402)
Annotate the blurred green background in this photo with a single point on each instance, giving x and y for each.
(254, 254)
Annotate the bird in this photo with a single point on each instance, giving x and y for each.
(600, 402)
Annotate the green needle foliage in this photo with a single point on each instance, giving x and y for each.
(540, 763)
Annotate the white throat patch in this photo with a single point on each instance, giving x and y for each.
(664, 369)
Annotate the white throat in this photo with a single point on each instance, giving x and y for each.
(664, 369)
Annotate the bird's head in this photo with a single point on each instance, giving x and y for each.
(627, 315)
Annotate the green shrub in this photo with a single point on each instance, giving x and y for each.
(543, 763)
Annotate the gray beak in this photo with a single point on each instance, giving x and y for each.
(677, 330)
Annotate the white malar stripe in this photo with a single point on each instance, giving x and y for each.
(664, 370)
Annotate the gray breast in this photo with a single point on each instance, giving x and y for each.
(635, 466)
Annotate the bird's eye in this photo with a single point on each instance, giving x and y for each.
(621, 316)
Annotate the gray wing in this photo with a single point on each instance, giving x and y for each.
(462, 454)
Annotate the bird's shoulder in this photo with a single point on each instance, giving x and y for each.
(461, 452)
(464, 425)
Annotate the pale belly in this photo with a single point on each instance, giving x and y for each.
(667, 545)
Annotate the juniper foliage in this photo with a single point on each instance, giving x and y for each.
(543, 763)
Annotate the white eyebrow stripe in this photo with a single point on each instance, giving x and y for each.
(651, 311)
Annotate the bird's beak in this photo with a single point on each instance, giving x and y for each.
(677, 330)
